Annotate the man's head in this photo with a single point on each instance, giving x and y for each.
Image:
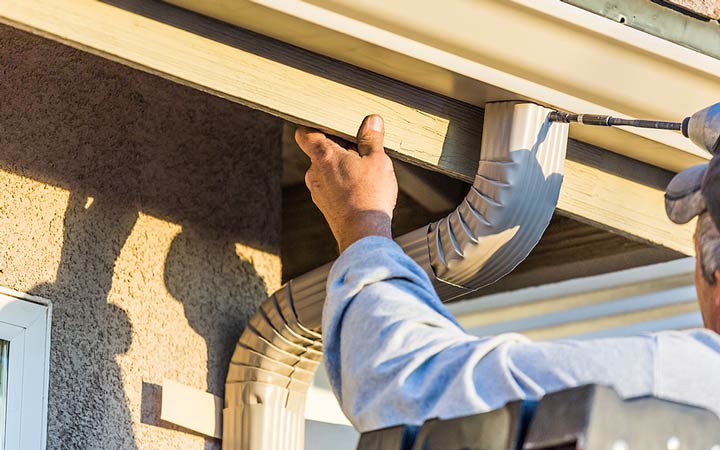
(695, 192)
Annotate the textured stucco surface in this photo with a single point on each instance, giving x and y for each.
(149, 214)
(707, 8)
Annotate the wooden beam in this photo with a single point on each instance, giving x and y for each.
(622, 195)
(568, 249)
(601, 188)
(520, 49)
(571, 249)
(256, 71)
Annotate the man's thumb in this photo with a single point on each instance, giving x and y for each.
(370, 135)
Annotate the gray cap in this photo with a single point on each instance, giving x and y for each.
(694, 191)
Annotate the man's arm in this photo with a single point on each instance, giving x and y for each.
(394, 354)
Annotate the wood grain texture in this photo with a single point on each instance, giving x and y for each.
(620, 194)
(550, 52)
(258, 72)
(423, 128)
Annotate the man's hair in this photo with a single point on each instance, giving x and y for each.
(708, 239)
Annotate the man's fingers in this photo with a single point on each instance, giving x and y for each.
(309, 178)
(313, 142)
(370, 135)
(318, 146)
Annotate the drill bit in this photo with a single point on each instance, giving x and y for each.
(610, 121)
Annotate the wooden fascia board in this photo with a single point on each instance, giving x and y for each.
(487, 50)
(423, 128)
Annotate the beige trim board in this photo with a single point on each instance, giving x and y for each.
(192, 409)
(554, 273)
(426, 129)
(621, 195)
(487, 50)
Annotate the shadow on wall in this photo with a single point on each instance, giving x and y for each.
(90, 330)
(209, 278)
(136, 144)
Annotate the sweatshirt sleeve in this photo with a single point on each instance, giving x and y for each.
(394, 354)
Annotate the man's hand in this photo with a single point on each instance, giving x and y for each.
(354, 187)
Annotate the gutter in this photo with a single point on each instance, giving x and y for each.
(666, 20)
(496, 226)
(544, 51)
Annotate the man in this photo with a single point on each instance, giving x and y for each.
(395, 355)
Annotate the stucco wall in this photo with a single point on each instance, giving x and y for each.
(149, 214)
(707, 8)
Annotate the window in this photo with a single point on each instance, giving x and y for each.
(4, 358)
(24, 370)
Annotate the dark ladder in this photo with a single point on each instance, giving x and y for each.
(591, 417)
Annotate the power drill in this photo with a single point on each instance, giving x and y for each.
(702, 128)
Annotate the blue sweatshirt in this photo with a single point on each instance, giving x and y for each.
(395, 355)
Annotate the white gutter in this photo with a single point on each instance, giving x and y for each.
(485, 50)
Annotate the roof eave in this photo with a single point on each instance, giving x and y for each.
(486, 50)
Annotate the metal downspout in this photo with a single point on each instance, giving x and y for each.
(502, 218)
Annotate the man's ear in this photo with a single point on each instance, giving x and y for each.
(717, 280)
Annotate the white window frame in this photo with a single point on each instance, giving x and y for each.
(25, 323)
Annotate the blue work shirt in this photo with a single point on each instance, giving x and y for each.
(395, 355)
